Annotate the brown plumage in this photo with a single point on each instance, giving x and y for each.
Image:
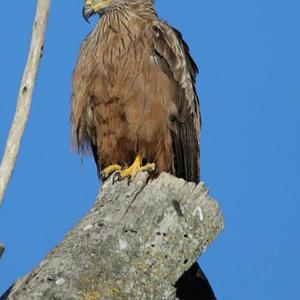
(134, 92)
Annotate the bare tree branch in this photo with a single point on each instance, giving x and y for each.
(25, 96)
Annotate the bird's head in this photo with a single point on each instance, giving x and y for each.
(92, 7)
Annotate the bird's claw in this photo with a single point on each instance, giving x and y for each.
(118, 177)
(119, 173)
(109, 170)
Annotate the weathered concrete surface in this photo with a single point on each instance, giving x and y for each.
(134, 244)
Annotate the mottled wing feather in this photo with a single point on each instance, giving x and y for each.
(172, 54)
(168, 42)
(79, 137)
(83, 139)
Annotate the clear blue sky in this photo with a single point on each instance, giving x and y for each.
(248, 53)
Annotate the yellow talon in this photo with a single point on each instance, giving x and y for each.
(109, 170)
(136, 167)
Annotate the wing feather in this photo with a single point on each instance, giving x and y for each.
(172, 54)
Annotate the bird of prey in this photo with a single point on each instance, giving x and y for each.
(134, 100)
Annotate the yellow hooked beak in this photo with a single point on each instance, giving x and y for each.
(92, 7)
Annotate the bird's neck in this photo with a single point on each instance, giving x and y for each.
(143, 8)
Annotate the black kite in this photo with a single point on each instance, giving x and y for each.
(134, 92)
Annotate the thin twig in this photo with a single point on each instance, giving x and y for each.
(25, 96)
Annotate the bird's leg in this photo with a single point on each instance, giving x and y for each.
(135, 168)
(109, 170)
